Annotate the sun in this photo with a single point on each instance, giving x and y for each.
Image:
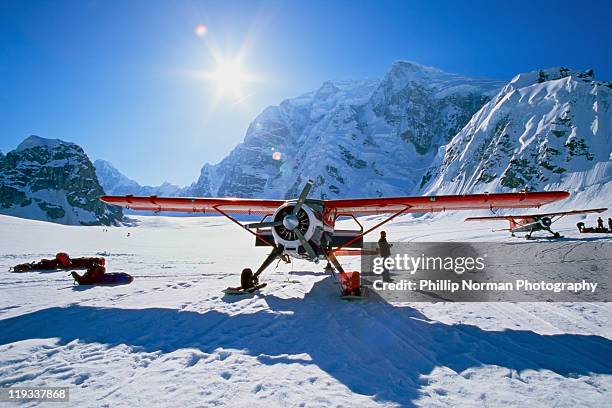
(230, 78)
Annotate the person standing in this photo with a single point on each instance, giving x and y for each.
(385, 252)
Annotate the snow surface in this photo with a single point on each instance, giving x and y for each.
(171, 338)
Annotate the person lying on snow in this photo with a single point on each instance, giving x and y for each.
(62, 261)
(95, 274)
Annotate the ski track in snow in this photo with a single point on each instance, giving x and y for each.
(172, 338)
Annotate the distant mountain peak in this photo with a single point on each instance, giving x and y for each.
(406, 71)
(411, 66)
(549, 74)
(36, 141)
(116, 183)
(101, 164)
(407, 74)
(326, 90)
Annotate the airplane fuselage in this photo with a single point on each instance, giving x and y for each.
(531, 225)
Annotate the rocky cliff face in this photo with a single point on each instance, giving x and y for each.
(355, 138)
(52, 180)
(547, 129)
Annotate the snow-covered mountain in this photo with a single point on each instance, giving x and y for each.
(354, 138)
(116, 183)
(548, 129)
(53, 180)
(420, 130)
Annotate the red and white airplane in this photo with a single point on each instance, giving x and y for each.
(531, 223)
(305, 228)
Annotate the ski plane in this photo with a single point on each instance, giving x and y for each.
(305, 228)
(531, 223)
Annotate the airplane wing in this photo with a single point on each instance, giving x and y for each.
(369, 206)
(359, 206)
(195, 205)
(526, 216)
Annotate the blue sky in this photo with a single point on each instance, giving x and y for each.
(125, 80)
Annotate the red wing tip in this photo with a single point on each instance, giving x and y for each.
(560, 194)
(109, 199)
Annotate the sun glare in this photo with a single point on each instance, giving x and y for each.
(230, 78)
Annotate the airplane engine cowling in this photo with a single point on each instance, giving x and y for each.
(546, 221)
(306, 222)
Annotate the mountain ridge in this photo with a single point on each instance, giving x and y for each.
(115, 182)
(546, 129)
(418, 130)
(53, 180)
(406, 115)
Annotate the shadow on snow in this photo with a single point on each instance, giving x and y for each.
(372, 348)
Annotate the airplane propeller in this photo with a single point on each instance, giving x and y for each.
(311, 253)
(302, 198)
(291, 222)
(265, 224)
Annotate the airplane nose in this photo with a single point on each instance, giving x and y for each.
(291, 222)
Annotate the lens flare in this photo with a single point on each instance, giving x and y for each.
(277, 156)
(201, 30)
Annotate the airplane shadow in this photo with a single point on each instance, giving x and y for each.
(587, 239)
(308, 273)
(373, 348)
(519, 239)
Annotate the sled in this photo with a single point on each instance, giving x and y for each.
(111, 279)
(240, 291)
